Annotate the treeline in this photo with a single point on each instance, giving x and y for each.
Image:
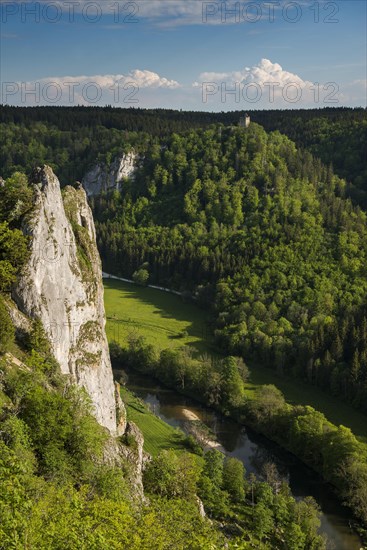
(262, 234)
(337, 136)
(72, 139)
(332, 451)
(70, 153)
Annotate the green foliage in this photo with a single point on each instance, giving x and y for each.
(15, 198)
(217, 381)
(234, 478)
(141, 277)
(37, 339)
(232, 388)
(13, 254)
(158, 317)
(56, 491)
(16, 434)
(172, 476)
(6, 328)
(333, 451)
(63, 434)
(130, 441)
(263, 235)
(14, 503)
(245, 222)
(268, 401)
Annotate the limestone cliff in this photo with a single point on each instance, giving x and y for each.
(62, 286)
(107, 178)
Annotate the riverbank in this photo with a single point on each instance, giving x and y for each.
(201, 435)
(252, 449)
(324, 450)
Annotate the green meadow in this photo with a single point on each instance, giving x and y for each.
(164, 320)
(158, 435)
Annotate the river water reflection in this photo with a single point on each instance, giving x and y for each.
(254, 450)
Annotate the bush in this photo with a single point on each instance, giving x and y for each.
(140, 277)
(6, 328)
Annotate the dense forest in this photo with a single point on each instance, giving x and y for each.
(262, 233)
(70, 140)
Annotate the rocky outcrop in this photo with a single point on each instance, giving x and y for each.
(61, 285)
(102, 178)
(133, 451)
(21, 322)
(127, 453)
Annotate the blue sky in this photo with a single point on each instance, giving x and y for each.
(185, 54)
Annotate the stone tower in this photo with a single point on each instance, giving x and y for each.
(244, 121)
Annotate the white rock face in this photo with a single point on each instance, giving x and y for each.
(62, 286)
(102, 178)
(136, 456)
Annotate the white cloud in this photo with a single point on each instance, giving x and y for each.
(265, 85)
(131, 89)
(262, 73)
(140, 78)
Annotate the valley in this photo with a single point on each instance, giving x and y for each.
(241, 406)
(150, 313)
(183, 275)
(165, 321)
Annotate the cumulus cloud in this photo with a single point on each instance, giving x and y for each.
(266, 84)
(262, 73)
(140, 78)
(130, 89)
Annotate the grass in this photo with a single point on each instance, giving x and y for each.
(162, 317)
(157, 434)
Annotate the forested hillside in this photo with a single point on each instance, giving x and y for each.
(337, 136)
(262, 233)
(70, 140)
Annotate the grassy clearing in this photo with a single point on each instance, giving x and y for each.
(157, 434)
(161, 318)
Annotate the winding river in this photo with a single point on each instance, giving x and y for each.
(254, 450)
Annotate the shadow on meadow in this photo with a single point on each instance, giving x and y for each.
(165, 306)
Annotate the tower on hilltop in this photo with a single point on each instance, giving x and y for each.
(244, 121)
